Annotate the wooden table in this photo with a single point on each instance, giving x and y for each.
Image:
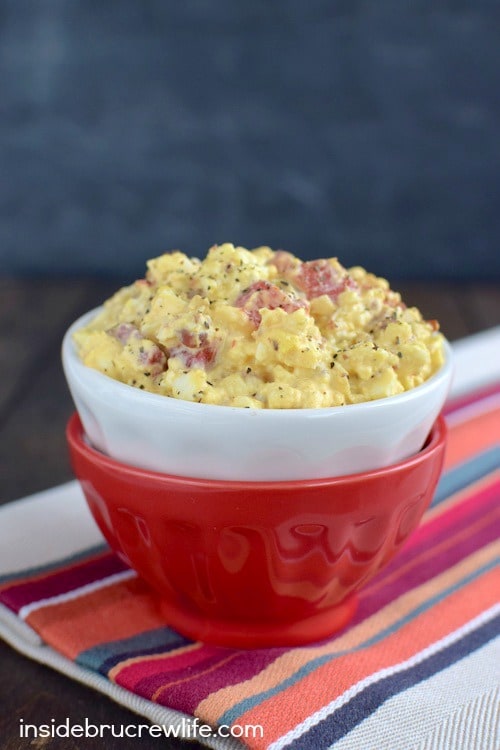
(34, 407)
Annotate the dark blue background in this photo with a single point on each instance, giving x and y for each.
(363, 129)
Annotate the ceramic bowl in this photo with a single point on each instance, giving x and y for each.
(252, 564)
(222, 442)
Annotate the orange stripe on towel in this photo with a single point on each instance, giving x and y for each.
(469, 438)
(117, 611)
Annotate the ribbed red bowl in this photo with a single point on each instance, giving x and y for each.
(253, 564)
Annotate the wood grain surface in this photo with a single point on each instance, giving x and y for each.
(34, 407)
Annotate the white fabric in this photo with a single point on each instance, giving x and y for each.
(477, 361)
(474, 726)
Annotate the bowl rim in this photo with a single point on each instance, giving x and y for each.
(78, 443)
(71, 359)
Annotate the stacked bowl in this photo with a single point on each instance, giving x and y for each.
(255, 527)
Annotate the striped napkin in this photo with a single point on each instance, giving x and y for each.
(417, 667)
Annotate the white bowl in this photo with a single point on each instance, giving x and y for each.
(224, 442)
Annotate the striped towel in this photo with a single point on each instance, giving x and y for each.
(416, 668)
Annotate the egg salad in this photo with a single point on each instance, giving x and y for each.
(261, 329)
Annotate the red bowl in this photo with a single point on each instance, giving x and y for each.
(252, 564)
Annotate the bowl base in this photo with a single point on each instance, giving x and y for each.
(234, 634)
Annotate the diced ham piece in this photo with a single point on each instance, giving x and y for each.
(123, 331)
(190, 339)
(154, 359)
(263, 294)
(195, 350)
(150, 357)
(317, 277)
